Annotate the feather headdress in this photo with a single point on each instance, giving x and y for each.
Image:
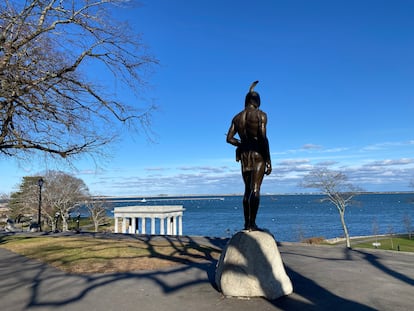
(252, 96)
(251, 90)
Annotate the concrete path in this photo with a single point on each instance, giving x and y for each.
(323, 277)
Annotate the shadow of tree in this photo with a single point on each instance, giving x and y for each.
(344, 266)
(120, 254)
(308, 295)
(311, 296)
(33, 284)
(196, 267)
(375, 261)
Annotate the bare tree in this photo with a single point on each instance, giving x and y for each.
(97, 211)
(337, 190)
(408, 224)
(391, 233)
(61, 193)
(50, 103)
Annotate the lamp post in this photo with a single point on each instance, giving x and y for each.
(40, 184)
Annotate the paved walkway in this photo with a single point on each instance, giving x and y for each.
(323, 277)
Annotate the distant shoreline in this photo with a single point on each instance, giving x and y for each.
(210, 196)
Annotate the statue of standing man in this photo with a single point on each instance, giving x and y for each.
(253, 152)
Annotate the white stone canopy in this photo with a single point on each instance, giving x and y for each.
(134, 219)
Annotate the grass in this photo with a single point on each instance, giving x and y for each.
(98, 255)
(398, 243)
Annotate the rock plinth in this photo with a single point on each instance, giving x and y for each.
(251, 266)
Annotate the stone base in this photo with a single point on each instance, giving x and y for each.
(251, 266)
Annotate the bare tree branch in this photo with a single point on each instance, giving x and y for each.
(49, 102)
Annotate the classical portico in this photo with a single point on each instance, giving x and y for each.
(134, 219)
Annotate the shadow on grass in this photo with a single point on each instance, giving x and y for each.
(32, 284)
(188, 258)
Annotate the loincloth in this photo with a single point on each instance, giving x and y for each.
(249, 160)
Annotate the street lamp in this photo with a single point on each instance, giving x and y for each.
(40, 184)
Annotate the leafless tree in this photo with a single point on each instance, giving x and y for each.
(408, 224)
(61, 193)
(337, 189)
(50, 102)
(97, 211)
(391, 234)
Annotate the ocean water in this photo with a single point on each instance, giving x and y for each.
(289, 217)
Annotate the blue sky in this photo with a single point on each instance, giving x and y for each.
(336, 81)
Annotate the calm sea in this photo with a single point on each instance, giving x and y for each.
(289, 217)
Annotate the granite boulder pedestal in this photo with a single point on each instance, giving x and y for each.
(251, 266)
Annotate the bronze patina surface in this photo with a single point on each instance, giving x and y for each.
(252, 151)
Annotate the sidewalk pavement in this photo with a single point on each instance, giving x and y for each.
(323, 277)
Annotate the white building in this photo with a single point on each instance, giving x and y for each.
(133, 219)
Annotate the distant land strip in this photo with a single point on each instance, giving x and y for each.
(134, 198)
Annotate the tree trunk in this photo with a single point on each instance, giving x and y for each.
(348, 241)
(53, 226)
(47, 221)
(64, 223)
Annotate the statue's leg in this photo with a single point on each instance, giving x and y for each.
(254, 199)
(246, 199)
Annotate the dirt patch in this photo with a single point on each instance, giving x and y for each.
(121, 265)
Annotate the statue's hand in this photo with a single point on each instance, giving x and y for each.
(268, 168)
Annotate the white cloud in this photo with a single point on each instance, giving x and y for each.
(157, 169)
(290, 162)
(390, 162)
(387, 145)
(375, 170)
(311, 146)
(327, 163)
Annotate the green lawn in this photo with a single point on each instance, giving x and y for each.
(401, 243)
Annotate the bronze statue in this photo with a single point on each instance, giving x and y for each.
(253, 152)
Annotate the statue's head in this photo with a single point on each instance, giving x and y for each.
(252, 97)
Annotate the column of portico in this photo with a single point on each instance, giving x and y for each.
(174, 225)
(143, 229)
(168, 225)
(124, 225)
(171, 225)
(133, 225)
(162, 222)
(116, 224)
(152, 225)
(180, 225)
